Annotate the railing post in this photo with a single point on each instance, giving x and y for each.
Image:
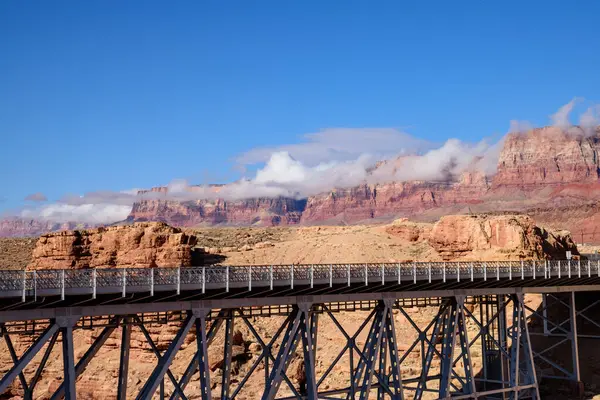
(509, 271)
(250, 278)
(545, 269)
(271, 277)
(444, 271)
(382, 274)
(429, 271)
(311, 272)
(23, 295)
(414, 272)
(400, 274)
(559, 272)
(471, 272)
(366, 275)
(569, 273)
(292, 277)
(348, 272)
(579, 268)
(485, 271)
(330, 275)
(62, 284)
(203, 280)
(94, 283)
(179, 280)
(151, 281)
(589, 269)
(457, 272)
(123, 282)
(498, 271)
(35, 284)
(227, 278)
(533, 269)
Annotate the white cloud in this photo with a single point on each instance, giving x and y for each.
(590, 119)
(101, 213)
(341, 144)
(443, 164)
(520, 126)
(560, 119)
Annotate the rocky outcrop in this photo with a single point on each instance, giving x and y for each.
(408, 230)
(502, 237)
(142, 245)
(258, 211)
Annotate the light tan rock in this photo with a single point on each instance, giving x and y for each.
(501, 237)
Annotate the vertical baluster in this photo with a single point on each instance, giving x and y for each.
(348, 273)
(124, 282)
(94, 283)
(227, 279)
(152, 282)
(62, 284)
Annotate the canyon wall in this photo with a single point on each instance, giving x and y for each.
(546, 171)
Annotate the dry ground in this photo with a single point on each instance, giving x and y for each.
(15, 253)
(317, 245)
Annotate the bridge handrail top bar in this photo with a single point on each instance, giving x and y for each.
(309, 265)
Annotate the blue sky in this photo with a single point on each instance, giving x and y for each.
(114, 95)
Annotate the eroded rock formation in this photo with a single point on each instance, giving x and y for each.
(507, 237)
(145, 244)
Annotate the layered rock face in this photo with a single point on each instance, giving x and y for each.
(506, 237)
(142, 245)
(548, 156)
(393, 199)
(541, 168)
(259, 211)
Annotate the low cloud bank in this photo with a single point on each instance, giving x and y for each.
(332, 158)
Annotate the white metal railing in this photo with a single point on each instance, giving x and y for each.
(130, 280)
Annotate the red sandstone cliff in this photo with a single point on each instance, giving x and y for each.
(543, 168)
(548, 156)
(393, 199)
(260, 211)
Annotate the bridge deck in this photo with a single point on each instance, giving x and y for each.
(41, 294)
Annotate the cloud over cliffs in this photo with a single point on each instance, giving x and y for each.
(341, 144)
(331, 158)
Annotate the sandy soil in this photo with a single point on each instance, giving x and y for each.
(348, 244)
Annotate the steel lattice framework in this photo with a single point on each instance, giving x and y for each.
(209, 300)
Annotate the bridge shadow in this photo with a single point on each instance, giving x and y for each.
(201, 258)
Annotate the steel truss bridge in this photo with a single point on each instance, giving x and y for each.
(486, 297)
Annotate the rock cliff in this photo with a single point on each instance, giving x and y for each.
(258, 211)
(507, 237)
(545, 167)
(142, 245)
(548, 156)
